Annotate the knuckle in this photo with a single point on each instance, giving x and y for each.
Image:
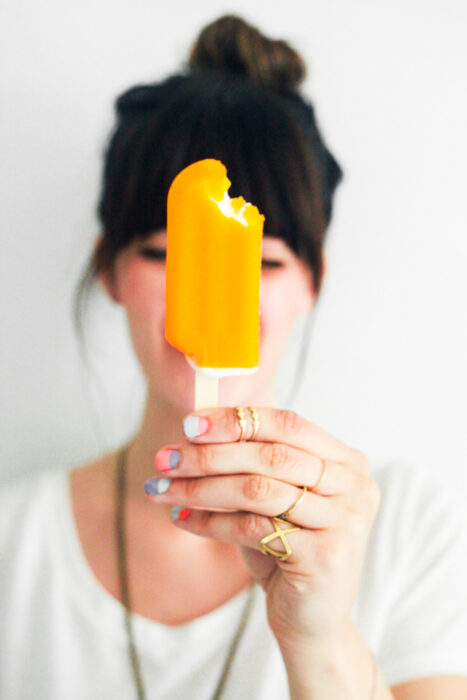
(205, 521)
(372, 496)
(289, 421)
(205, 456)
(355, 524)
(358, 483)
(368, 494)
(355, 480)
(191, 488)
(256, 487)
(363, 461)
(274, 455)
(250, 526)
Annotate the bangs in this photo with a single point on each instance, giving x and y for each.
(247, 128)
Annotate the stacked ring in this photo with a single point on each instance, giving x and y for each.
(256, 423)
(242, 422)
(322, 475)
(287, 512)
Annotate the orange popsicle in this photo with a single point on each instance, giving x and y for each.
(213, 270)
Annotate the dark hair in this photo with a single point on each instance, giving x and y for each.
(236, 99)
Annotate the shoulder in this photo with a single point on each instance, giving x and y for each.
(410, 498)
(25, 500)
(412, 603)
(30, 499)
(29, 526)
(23, 491)
(420, 528)
(414, 481)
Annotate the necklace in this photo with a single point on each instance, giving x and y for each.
(125, 592)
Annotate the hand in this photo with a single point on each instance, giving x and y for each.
(310, 594)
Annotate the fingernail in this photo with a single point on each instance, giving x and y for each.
(167, 459)
(155, 487)
(194, 426)
(179, 513)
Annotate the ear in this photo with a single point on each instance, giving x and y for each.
(106, 279)
(309, 300)
(106, 276)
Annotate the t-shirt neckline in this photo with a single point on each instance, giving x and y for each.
(106, 610)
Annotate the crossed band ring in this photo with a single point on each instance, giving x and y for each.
(281, 533)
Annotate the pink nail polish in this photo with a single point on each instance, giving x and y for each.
(167, 459)
(194, 426)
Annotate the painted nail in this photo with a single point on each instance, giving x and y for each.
(167, 459)
(194, 426)
(179, 513)
(156, 487)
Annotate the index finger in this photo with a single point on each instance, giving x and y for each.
(275, 425)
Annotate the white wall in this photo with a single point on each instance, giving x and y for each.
(387, 360)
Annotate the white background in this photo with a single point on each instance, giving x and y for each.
(387, 369)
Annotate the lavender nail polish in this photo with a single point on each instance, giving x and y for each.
(156, 487)
(167, 459)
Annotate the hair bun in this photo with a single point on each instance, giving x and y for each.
(231, 45)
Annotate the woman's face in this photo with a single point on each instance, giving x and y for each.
(139, 286)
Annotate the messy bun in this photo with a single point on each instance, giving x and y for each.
(231, 45)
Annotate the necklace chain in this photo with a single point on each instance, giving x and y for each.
(125, 593)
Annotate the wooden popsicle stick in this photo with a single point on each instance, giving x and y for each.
(206, 391)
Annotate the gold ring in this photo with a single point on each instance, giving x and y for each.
(256, 421)
(241, 419)
(323, 472)
(279, 532)
(287, 512)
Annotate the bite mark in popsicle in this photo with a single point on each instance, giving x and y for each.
(213, 271)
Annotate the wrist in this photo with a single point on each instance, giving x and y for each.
(322, 644)
(337, 664)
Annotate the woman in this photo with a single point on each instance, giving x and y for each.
(355, 592)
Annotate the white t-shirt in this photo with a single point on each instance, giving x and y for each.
(62, 635)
